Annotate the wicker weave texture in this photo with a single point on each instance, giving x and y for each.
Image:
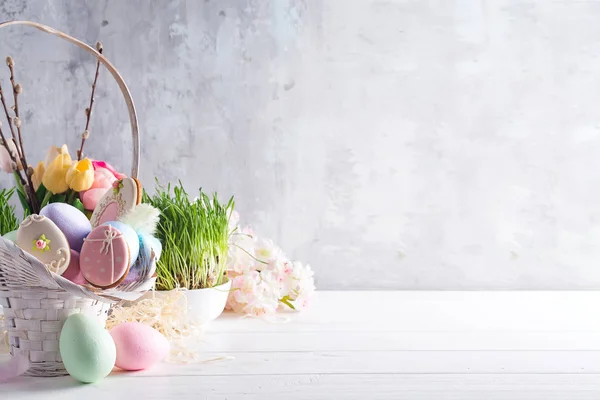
(36, 304)
(35, 301)
(35, 319)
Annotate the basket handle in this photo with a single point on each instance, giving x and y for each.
(124, 89)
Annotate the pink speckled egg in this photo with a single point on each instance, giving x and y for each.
(138, 346)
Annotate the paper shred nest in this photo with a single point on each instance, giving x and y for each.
(167, 313)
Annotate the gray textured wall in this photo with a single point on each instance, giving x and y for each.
(391, 144)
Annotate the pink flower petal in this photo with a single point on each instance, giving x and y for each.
(90, 198)
(103, 178)
(103, 164)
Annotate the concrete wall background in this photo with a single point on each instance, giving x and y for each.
(391, 144)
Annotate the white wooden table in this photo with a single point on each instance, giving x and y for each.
(379, 345)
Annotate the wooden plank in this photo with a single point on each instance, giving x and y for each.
(316, 387)
(380, 345)
(386, 362)
(391, 362)
(395, 341)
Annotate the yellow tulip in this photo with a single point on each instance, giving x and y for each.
(38, 174)
(54, 152)
(80, 176)
(54, 178)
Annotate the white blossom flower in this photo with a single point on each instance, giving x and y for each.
(266, 251)
(263, 279)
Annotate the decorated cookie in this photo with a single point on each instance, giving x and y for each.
(130, 236)
(72, 222)
(104, 260)
(122, 198)
(41, 238)
(140, 191)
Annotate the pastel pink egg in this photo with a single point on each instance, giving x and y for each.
(138, 346)
(73, 273)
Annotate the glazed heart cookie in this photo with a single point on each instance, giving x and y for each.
(124, 196)
(104, 259)
(41, 238)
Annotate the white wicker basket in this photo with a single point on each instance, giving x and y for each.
(35, 301)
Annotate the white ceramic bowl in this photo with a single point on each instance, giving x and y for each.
(205, 305)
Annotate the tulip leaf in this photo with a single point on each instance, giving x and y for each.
(18, 180)
(40, 193)
(78, 205)
(22, 196)
(26, 209)
(71, 195)
(46, 199)
(58, 198)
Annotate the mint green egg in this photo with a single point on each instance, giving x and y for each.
(12, 236)
(87, 349)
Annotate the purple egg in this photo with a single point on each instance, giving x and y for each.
(72, 222)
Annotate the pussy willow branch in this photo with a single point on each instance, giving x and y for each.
(9, 60)
(16, 91)
(88, 111)
(16, 158)
(16, 88)
(11, 155)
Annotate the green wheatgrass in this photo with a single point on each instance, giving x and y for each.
(194, 235)
(8, 220)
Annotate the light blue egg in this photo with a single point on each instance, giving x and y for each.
(12, 236)
(144, 266)
(149, 242)
(145, 247)
(130, 236)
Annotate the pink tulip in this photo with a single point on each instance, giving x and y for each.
(103, 178)
(103, 164)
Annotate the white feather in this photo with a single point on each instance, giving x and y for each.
(143, 218)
